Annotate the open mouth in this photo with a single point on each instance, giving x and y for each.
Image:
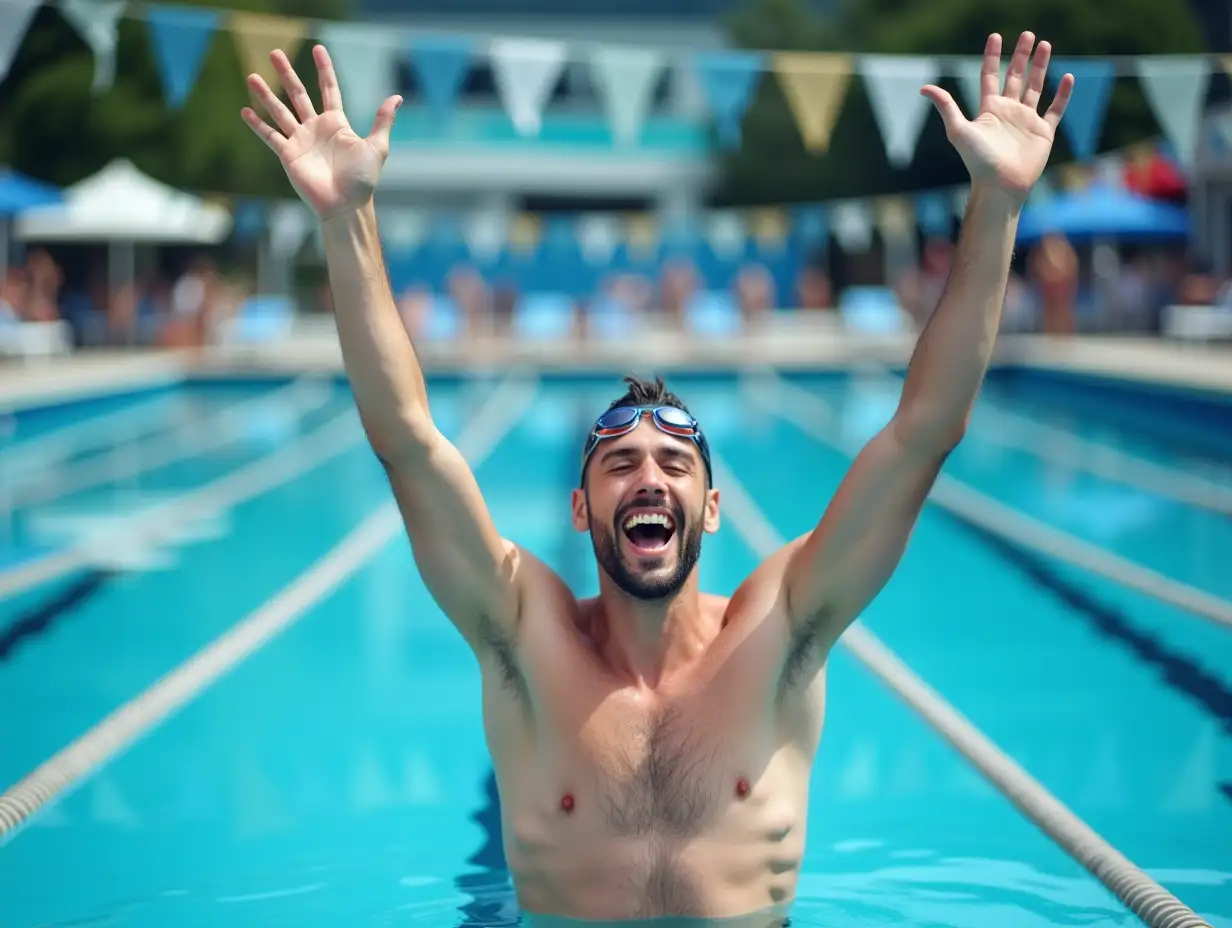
(649, 532)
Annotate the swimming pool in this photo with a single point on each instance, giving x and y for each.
(337, 774)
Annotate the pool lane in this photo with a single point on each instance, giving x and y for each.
(340, 773)
(1118, 730)
(90, 653)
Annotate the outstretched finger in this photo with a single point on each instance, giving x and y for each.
(382, 124)
(296, 91)
(1065, 89)
(990, 70)
(1016, 73)
(1039, 71)
(274, 139)
(331, 95)
(950, 112)
(273, 106)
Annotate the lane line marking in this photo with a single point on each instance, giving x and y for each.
(1061, 446)
(163, 520)
(807, 411)
(1153, 904)
(187, 440)
(501, 411)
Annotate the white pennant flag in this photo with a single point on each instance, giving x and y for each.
(893, 83)
(1175, 87)
(526, 71)
(852, 225)
(97, 22)
(15, 16)
(627, 78)
(365, 59)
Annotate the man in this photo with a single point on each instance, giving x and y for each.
(653, 745)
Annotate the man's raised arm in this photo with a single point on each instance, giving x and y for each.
(466, 565)
(832, 573)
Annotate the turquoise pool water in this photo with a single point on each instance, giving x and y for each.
(339, 776)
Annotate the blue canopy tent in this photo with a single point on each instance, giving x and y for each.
(17, 194)
(1103, 212)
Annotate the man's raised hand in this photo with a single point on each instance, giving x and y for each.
(331, 167)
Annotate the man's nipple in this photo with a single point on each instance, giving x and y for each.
(742, 788)
(566, 803)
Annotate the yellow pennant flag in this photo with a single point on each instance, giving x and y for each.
(815, 85)
(257, 34)
(1225, 62)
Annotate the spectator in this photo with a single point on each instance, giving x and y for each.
(1054, 269)
(755, 294)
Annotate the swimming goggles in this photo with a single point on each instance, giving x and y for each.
(670, 419)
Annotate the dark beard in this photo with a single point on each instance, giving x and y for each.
(687, 538)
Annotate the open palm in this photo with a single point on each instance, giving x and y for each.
(1007, 144)
(331, 167)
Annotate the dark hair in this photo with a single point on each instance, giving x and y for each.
(643, 392)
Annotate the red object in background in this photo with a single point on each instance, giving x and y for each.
(1158, 177)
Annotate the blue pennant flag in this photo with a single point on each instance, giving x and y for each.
(441, 63)
(1084, 116)
(728, 80)
(180, 36)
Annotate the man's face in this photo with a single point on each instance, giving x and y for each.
(646, 506)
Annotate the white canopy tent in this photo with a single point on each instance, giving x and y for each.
(121, 204)
(124, 208)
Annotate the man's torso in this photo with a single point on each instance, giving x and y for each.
(624, 803)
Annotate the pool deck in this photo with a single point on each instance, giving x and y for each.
(1150, 361)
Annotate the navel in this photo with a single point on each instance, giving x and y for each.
(742, 788)
(566, 803)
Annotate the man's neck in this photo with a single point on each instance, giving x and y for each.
(649, 639)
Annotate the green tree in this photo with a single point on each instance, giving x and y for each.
(54, 127)
(772, 165)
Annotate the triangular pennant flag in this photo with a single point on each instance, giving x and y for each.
(1084, 116)
(727, 81)
(180, 37)
(96, 21)
(1175, 87)
(893, 83)
(440, 64)
(526, 72)
(853, 226)
(815, 86)
(626, 78)
(257, 34)
(15, 16)
(365, 57)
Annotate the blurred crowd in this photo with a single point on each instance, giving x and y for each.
(157, 309)
(1054, 288)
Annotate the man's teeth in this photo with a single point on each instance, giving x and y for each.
(650, 518)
